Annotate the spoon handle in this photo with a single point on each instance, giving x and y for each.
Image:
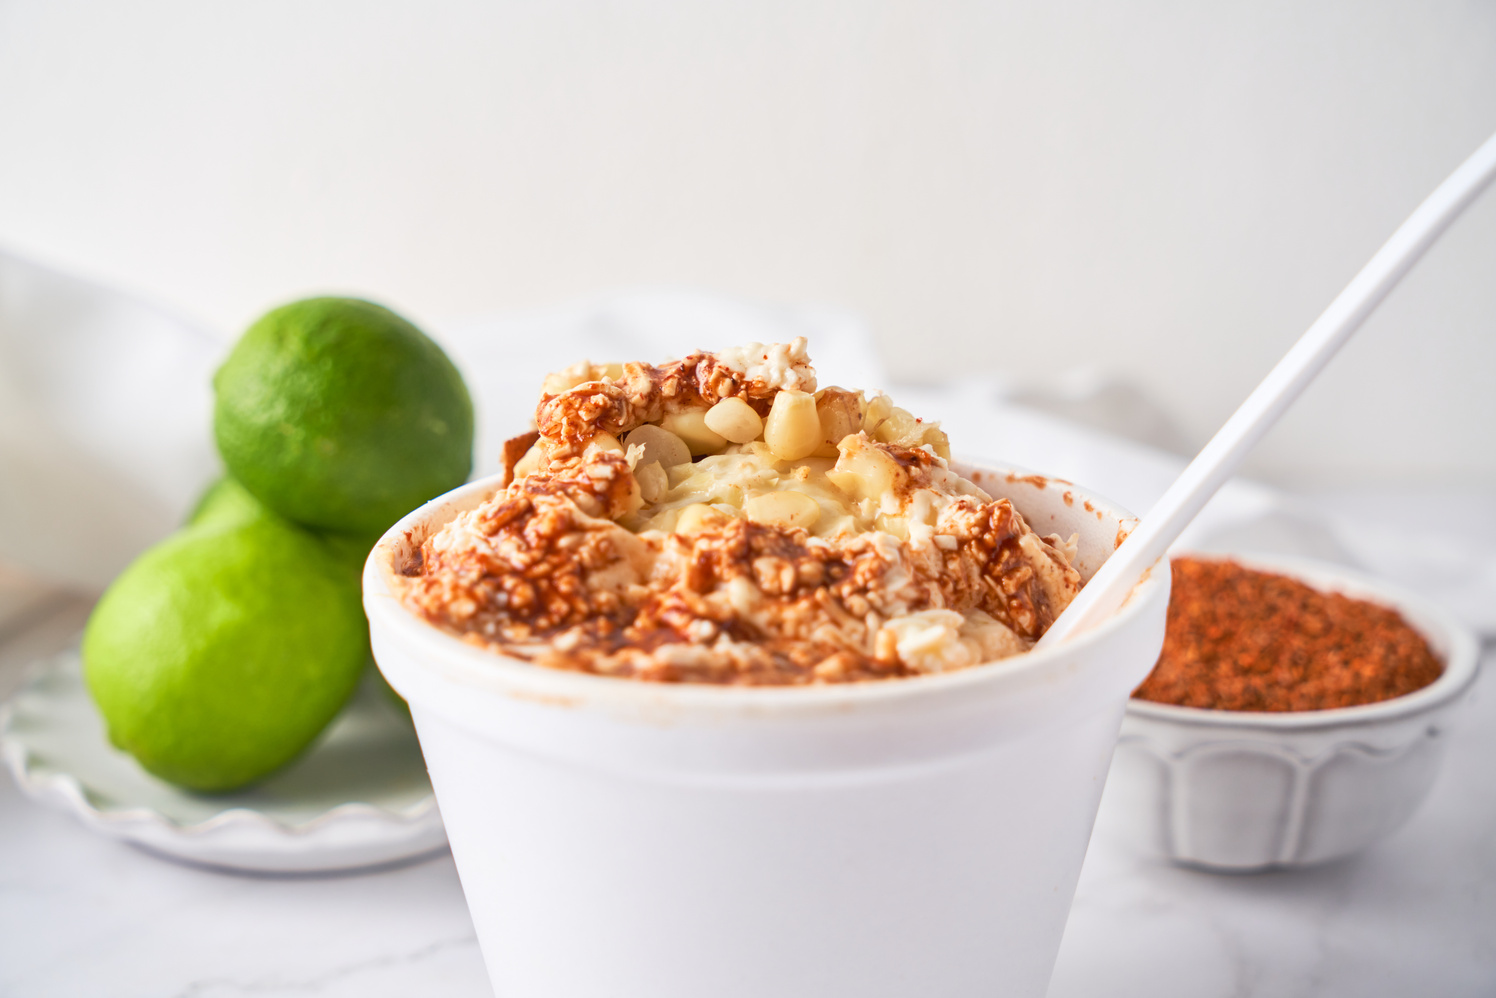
(1215, 463)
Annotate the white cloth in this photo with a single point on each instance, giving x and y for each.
(105, 433)
(105, 440)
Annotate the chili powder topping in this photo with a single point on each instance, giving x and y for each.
(1239, 639)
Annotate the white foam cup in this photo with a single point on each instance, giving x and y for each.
(625, 839)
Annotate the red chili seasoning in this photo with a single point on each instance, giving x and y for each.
(1238, 639)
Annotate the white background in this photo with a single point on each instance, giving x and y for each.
(1168, 191)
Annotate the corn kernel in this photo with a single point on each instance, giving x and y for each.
(865, 471)
(653, 482)
(734, 419)
(691, 427)
(793, 430)
(875, 411)
(660, 445)
(698, 517)
(604, 442)
(783, 509)
(840, 413)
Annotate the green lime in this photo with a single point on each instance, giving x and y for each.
(351, 549)
(228, 502)
(339, 414)
(225, 502)
(221, 653)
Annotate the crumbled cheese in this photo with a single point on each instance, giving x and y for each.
(773, 365)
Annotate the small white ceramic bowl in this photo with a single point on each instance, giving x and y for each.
(1241, 791)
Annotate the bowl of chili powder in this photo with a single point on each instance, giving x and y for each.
(1297, 714)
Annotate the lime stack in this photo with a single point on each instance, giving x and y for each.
(219, 655)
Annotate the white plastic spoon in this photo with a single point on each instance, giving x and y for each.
(1213, 465)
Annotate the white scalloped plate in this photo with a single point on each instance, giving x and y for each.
(359, 798)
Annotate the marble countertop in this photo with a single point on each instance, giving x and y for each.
(84, 915)
(1413, 915)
